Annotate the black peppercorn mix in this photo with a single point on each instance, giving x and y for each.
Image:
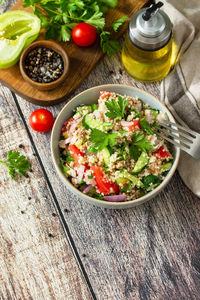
(44, 65)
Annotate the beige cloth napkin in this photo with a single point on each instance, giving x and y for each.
(180, 90)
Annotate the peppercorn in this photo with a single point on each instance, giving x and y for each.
(43, 65)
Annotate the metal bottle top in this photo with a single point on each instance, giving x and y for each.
(150, 28)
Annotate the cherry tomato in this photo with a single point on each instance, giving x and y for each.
(104, 186)
(84, 35)
(162, 153)
(41, 120)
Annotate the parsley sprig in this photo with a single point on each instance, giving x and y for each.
(101, 140)
(60, 16)
(16, 163)
(139, 143)
(116, 108)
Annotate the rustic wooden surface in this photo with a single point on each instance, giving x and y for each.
(82, 61)
(148, 252)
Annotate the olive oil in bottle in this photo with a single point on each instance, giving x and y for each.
(147, 49)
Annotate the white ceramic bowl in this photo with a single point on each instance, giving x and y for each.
(91, 96)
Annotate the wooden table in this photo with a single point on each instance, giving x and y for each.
(55, 246)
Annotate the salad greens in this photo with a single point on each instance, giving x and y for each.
(101, 140)
(16, 163)
(59, 17)
(116, 108)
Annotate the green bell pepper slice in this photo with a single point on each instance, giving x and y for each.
(18, 29)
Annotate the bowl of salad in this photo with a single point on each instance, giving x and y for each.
(106, 149)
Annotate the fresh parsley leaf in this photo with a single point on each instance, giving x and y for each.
(134, 152)
(108, 46)
(65, 34)
(145, 126)
(116, 108)
(101, 140)
(137, 114)
(96, 20)
(126, 188)
(60, 16)
(141, 142)
(151, 180)
(115, 25)
(111, 3)
(16, 163)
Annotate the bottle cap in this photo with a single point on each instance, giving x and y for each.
(150, 28)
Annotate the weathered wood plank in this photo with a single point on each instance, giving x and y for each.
(149, 252)
(36, 261)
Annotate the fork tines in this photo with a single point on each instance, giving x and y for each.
(184, 137)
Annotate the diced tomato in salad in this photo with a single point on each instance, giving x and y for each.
(135, 123)
(65, 127)
(103, 185)
(104, 94)
(75, 153)
(161, 153)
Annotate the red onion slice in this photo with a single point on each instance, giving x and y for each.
(149, 118)
(87, 188)
(115, 198)
(74, 124)
(80, 172)
(68, 140)
(73, 172)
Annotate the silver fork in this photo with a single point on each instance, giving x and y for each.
(187, 139)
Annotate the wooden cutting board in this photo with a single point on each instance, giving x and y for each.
(82, 60)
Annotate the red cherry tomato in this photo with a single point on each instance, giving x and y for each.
(162, 153)
(104, 186)
(41, 120)
(84, 35)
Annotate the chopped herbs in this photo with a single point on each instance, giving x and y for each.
(141, 142)
(16, 163)
(145, 126)
(126, 188)
(101, 140)
(115, 25)
(151, 181)
(59, 17)
(116, 108)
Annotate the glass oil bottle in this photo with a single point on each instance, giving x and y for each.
(147, 49)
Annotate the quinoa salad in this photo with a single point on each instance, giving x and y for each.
(111, 150)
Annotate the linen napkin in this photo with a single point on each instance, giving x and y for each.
(180, 90)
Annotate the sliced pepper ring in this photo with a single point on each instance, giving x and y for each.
(18, 29)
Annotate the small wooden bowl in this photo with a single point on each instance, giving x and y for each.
(50, 45)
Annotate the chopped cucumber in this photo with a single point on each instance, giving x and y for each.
(89, 121)
(122, 180)
(141, 162)
(132, 178)
(106, 156)
(82, 111)
(165, 167)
